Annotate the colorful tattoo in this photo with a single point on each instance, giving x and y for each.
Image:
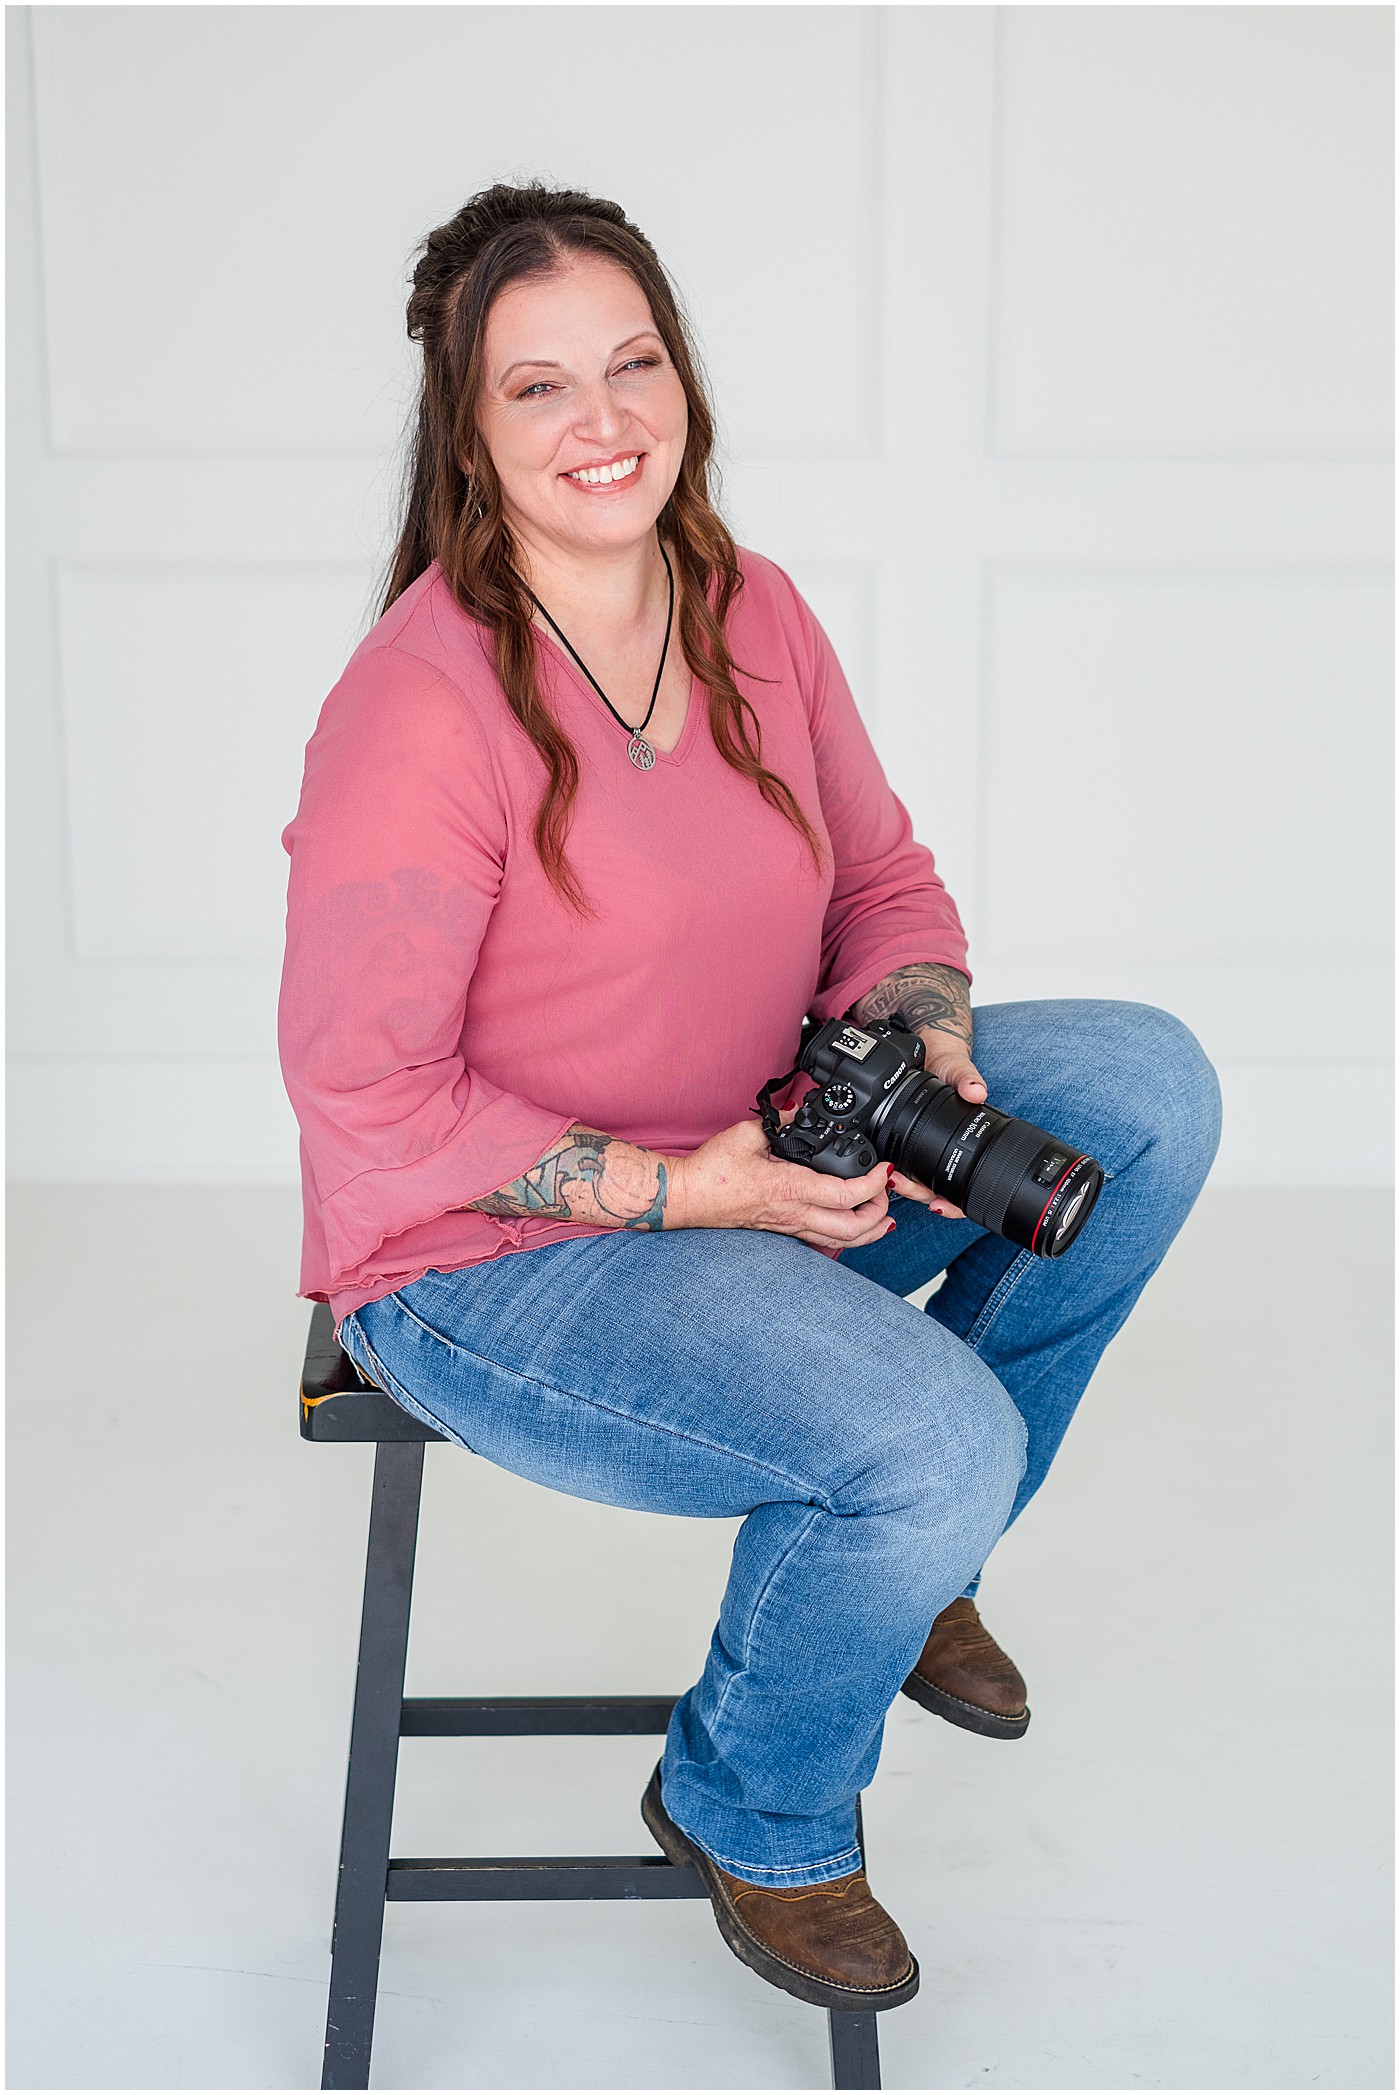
(928, 994)
(580, 1159)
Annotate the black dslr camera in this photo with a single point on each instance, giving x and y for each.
(873, 1102)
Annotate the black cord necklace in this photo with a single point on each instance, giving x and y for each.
(638, 747)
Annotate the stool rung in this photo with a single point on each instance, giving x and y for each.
(528, 1716)
(544, 1877)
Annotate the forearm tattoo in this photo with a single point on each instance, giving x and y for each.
(926, 994)
(613, 1183)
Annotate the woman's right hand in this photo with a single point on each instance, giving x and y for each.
(734, 1181)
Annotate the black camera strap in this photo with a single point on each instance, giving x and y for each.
(765, 1108)
(763, 1105)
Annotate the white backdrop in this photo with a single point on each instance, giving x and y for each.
(1052, 354)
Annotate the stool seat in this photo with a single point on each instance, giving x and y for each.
(338, 1403)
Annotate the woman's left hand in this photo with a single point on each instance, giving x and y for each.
(930, 998)
(945, 1057)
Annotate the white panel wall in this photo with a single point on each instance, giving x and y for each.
(234, 195)
(1051, 348)
(188, 696)
(1192, 211)
(1188, 720)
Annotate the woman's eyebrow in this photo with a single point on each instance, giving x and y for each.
(540, 363)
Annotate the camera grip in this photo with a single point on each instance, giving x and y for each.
(839, 1155)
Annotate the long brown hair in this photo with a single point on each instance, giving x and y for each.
(453, 513)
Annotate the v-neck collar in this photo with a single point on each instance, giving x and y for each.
(693, 709)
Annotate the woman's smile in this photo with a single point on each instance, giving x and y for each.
(599, 480)
(584, 395)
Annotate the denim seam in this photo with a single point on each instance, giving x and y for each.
(755, 1611)
(574, 1396)
(773, 1575)
(773, 1869)
(1001, 1293)
(411, 1404)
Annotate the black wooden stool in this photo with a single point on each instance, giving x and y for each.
(337, 1403)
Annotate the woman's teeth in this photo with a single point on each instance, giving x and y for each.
(597, 476)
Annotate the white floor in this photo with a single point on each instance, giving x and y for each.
(1178, 1879)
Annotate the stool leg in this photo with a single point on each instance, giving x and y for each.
(855, 2041)
(374, 1752)
(855, 2050)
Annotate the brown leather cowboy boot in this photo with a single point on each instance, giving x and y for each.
(964, 1675)
(829, 1944)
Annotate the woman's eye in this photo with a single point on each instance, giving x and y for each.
(543, 386)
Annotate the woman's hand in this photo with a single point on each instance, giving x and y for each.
(734, 1181)
(930, 999)
(945, 1057)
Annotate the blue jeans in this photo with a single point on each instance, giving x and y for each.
(876, 1451)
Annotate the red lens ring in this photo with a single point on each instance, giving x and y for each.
(1035, 1233)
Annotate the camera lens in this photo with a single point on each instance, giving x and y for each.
(1071, 1220)
(1008, 1175)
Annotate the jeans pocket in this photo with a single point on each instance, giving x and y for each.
(370, 1365)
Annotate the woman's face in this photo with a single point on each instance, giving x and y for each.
(577, 376)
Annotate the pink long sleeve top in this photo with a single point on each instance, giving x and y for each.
(445, 1014)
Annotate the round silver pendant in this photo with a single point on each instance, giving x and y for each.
(641, 753)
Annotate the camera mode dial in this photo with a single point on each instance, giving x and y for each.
(838, 1098)
(825, 1145)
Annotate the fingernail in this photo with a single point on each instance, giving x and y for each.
(893, 1225)
(889, 1174)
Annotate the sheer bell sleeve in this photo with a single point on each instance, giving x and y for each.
(397, 855)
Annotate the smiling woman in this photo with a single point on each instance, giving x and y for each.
(530, 993)
(580, 457)
(554, 346)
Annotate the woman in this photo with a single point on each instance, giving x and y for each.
(588, 824)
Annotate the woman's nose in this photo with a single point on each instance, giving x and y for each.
(599, 412)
